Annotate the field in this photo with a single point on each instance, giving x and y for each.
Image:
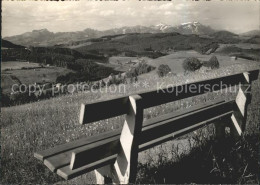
(122, 64)
(174, 60)
(44, 124)
(34, 73)
(12, 65)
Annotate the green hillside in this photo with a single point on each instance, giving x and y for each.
(7, 45)
(150, 45)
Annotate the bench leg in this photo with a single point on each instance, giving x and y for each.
(220, 129)
(125, 167)
(242, 101)
(103, 175)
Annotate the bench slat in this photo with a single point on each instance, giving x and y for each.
(74, 144)
(94, 152)
(182, 112)
(67, 173)
(181, 132)
(99, 149)
(58, 161)
(103, 109)
(165, 127)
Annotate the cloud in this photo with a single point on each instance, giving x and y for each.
(179, 6)
(168, 13)
(166, 6)
(107, 12)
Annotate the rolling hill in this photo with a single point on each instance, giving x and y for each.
(226, 37)
(7, 45)
(148, 44)
(251, 33)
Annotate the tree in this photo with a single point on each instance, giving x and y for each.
(191, 64)
(163, 70)
(213, 62)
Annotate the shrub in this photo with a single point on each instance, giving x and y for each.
(213, 62)
(163, 70)
(139, 69)
(191, 64)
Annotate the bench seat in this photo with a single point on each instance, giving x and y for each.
(81, 156)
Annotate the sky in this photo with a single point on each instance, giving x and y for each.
(24, 16)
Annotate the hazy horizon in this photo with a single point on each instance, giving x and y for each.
(19, 17)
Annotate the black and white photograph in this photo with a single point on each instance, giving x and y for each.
(130, 92)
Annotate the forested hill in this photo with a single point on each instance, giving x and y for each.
(6, 45)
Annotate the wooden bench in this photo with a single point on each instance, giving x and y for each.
(114, 154)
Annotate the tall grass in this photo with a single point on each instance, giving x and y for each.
(40, 125)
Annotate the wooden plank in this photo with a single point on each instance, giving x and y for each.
(241, 101)
(243, 98)
(58, 161)
(126, 163)
(169, 126)
(187, 90)
(118, 106)
(74, 144)
(66, 173)
(63, 159)
(236, 124)
(157, 141)
(103, 109)
(94, 152)
(183, 111)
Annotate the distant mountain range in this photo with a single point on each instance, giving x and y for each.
(44, 37)
(251, 33)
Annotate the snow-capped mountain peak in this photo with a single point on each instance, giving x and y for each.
(195, 23)
(162, 26)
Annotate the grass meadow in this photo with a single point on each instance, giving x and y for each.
(28, 128)
(34, 73)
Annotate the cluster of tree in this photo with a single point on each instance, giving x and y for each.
(140, 68)
(25, 97)
(225, 37)
(193, 64)
(151, 45)
(49, 55)
(116, 79)
(85, 71)
(163, 70)
(213, 63)
(15, 54)
(206, 48)
(249, 54)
